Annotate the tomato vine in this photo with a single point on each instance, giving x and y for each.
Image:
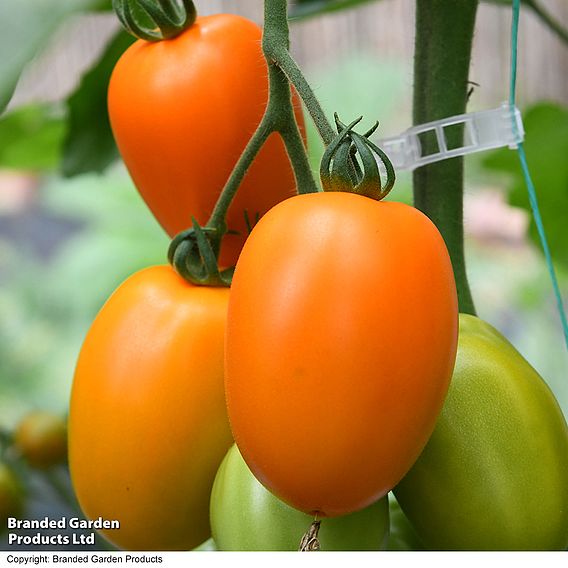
(444, 34)
(194, 252)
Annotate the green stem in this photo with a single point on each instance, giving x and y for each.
(254, 145)
(547, 19)
(193, 252)
(5, 441)
(287, 126)
(276, 43)
(279, 114)
(295, 76)
(295, 147)
(279, 117)
(444, 33)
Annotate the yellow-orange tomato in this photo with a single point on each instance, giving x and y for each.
(341, 340)
(182, 112)
(148, 426)
(41, 437)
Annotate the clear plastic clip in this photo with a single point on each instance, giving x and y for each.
(483, 130)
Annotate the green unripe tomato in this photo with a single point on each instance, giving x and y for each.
(207, 546)
(41, 438)
(402, 534)
(494, 474)
(246, 516)
(11, 496)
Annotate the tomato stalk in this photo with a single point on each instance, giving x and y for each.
(193, 252)
(444, 33)
(275, 44)
(310, 541)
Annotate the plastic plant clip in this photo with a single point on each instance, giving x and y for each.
(483, 130)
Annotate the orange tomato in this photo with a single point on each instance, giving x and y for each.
(182, 111)
(148, 426)
(341, 340)
(41, 437)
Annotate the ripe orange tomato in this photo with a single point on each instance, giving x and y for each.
(182, 111)
(341, 340)
(148, 427)
(41, 437)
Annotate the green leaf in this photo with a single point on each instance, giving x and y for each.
(308, 8)
(546, 145)
(26, 27)
(31, 138)
(90, 145)
(103, 6)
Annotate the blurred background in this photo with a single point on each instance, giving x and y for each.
(72, 226)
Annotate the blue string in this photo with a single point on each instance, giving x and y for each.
(526, 173)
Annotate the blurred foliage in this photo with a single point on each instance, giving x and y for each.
(35, 21)
(541, 12)
(308, 8)
(31, 138)
(302, 9)
(47, 304)
(546, 145)
(45, 137)
(89, 145)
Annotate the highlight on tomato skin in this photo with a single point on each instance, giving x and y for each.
(148, 424)
(182, 112)
(340, 347)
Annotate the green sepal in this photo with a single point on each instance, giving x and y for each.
(350, 163)
(193, 253)
(155, 20)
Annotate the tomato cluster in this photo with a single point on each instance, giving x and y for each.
(38, 443)
(327, 362)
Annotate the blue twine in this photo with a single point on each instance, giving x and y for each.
(526, 173)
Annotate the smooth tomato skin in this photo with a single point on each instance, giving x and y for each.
(246, 516)
(182, 112)
(11, 496)
(148, 426)
(494, 474)
(402, 535)
(41, 438)
(341, 339)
